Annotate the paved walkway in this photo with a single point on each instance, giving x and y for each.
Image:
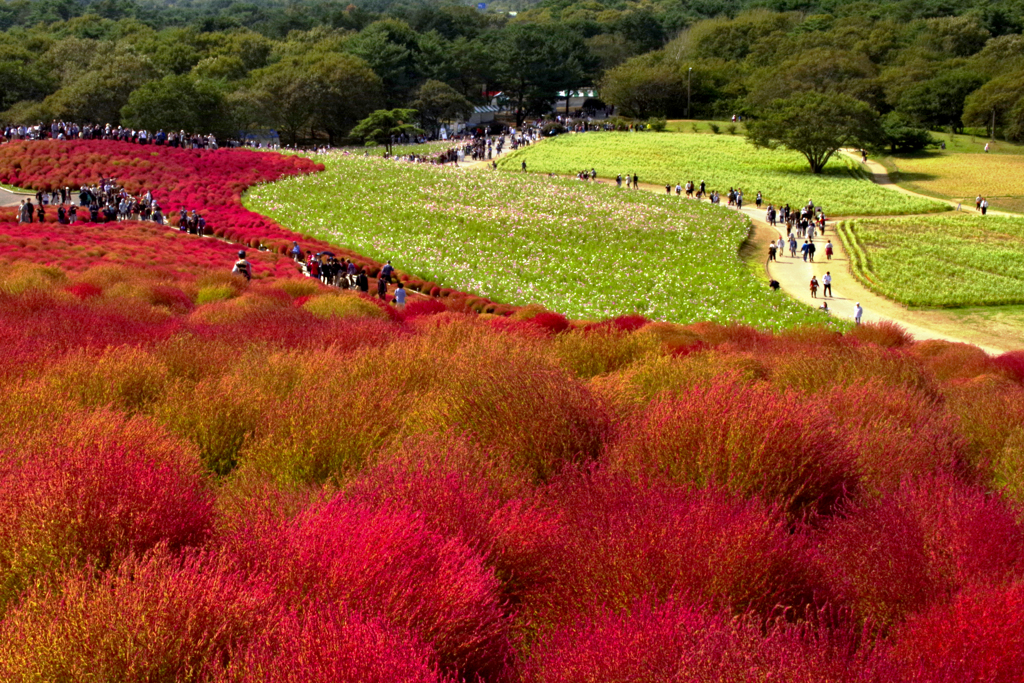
(8, 198)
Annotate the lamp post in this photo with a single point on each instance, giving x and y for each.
(688, 74)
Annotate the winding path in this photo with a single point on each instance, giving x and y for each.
(794, 275)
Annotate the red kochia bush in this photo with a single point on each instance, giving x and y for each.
(895, 432)
(99, 486)
(677, 642)
(321, 644)
(622, 541)
(917, 545)
(979, 637)
(151, 619)
(1012, 365)
(752, 440)
(386, 562)
(463, 491)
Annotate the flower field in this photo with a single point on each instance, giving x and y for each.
(249, 489)
(210, 480)
(940, 261)
(723, 162)
(583, 251)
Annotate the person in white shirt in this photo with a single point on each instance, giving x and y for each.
(858, 313)
(827, 282)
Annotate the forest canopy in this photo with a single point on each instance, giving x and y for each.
(313, 70)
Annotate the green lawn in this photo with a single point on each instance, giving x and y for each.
(951, 260)
(586, 251)
(723, 161)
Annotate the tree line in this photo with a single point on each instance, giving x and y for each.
(313, 70)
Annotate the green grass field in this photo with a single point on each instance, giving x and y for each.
(952, 260)
(723, 161)
(586, 251)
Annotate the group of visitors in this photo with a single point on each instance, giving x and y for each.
(61, 130)
(345, 274)
(105, 202)
(981, 204)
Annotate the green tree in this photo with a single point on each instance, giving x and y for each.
(383, 126)
(815, 124)
(534, 62)
(644, 86)
(99, 94)
(990, 104)
(326, 92)
(391, 48)
(940, 100)
(438, 102)
(179, 103)
(902, 134)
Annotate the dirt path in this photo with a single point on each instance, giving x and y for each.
(794, 276)
(880, 176)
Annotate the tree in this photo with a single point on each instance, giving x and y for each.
(940, 100)
(902, 134)
(318, 91)
(438, 102)
(644, 86)
(993, 101)
(815, 124)
(382, 126)
(534, 62)
(179, 103)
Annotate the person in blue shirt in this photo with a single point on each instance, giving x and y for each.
(400, 295)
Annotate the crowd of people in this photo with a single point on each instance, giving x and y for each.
(345, 274)
(61, 130)
(105, 202)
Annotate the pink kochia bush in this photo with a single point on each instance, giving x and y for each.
(977, 637)
(157, 618)
(97, 487)
(674, 641)
(386, 561)
(621, 541)
(919, 544)
(322, 644)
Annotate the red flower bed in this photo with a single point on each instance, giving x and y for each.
(209, 181)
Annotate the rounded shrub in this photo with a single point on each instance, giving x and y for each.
(746, 439)
(94, 489)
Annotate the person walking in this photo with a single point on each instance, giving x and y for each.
(828, 250)
(296, 251)
(242, 267)
(858, 313)
(400, 296)
(382, 288)
(636, 181)
(524, 166)
(792, 246)
(805, 249)
(771, 251)
(826, 290)
(984, 207)
(810, 251)
(814, 287)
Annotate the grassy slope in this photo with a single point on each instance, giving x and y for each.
(586, 251)
(722, 161)
(942, 261)
(964, 170)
